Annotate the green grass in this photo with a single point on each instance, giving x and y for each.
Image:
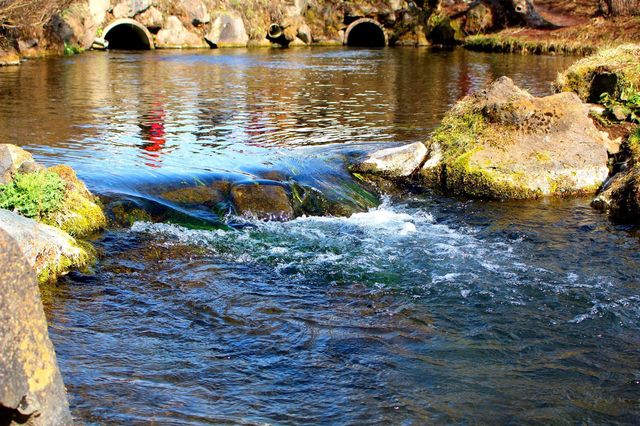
(70, 50)
(628, 102)
(506, 44)
(33, 195)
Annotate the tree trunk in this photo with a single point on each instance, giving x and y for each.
(620, 7)
(530, 14)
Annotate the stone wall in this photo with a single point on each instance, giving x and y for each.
(232, 23)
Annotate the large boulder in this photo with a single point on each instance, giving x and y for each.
(262, 201)
(50, 251)
(31, 387)
(504, 143)
(228, 30)
(98, 9)
(151, 18)
(174, 35)
(130, 8)
(196, 10)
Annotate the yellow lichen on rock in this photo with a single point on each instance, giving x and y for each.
(80, 215)
(31, 387)
(503, 143)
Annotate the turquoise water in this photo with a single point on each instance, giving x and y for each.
(426, 309)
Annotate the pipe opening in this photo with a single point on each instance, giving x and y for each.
(127, 36)
(366, 34)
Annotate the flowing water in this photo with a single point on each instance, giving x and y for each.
(426, 309)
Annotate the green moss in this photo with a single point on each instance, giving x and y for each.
(70, 50)
(464, 177)
(33, 195)
(460, 131)
(127, 217)
(442, 30)
(543, 156)
(633, 144)
(54, 269)
(611, 70)
(463, 133)
(506, 44)
(79, 214)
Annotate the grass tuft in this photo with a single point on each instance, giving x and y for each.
(33, 195)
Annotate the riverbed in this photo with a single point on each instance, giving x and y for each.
(425, 309)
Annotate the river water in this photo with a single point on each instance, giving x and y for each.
(426, 309)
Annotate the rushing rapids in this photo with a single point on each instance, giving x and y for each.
(423, 309)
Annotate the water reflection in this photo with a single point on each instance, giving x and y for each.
(433, 311)
(118, 118)
(152, 126)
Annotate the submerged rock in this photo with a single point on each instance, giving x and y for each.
(262, 201)
(31, 387)
(504, 143)
(207, 195)
(50, 251)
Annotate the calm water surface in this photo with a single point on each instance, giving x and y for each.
(424, 310)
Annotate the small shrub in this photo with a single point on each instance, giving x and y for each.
(70, 50)
(33, 195)
(628, 102)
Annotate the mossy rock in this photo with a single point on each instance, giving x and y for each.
(80, 214)
(126, 213)
(207, 195)
(262, 201)
(611, 71)
(620, 197)
(442, 30)
(50, 251)
(503, 143)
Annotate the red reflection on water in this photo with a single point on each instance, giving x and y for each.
(153, 133)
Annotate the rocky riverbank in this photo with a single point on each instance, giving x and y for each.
(489, 25)
(503, 143)
(32, 391)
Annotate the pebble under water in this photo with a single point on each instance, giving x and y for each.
(426, 309)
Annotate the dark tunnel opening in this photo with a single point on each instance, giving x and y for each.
(366, 34)
(127, 37)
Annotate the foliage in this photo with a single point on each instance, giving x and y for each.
(70, 50)
(33, 194)
(621, 63)
(628, 103)
(28, 15)
(512, 44)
